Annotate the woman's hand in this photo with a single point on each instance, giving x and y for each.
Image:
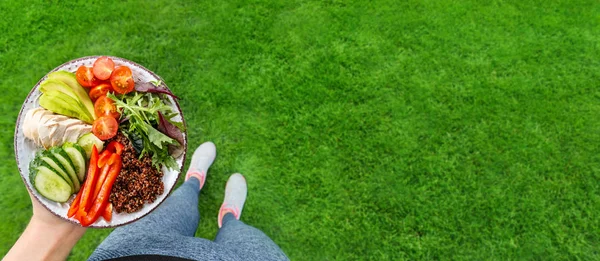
(44, 216)
(47, 237)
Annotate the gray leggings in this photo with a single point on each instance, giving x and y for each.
(169, 231)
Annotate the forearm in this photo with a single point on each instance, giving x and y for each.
(44, 241)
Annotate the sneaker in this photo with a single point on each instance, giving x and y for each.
(235, 196)
(201, 160)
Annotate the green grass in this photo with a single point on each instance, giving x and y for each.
(367, 130)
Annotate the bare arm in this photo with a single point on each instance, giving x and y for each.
(46, 237)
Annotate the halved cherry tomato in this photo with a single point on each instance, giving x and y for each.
(105, 127)
(100, 90)
(103, 68)
(105, 106)
(122, 80)
(86, 77)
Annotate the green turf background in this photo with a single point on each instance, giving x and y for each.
(367, 130)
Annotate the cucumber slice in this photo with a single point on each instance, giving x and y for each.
(77, 156)
(36, 161)
(49, 184)
(55, 166)
(87, 141)
(65, 162)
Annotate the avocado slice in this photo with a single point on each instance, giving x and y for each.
(60, 87)
(69, 79)
(49, 85)
(61, 103)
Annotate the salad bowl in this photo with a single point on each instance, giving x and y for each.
(25, 149)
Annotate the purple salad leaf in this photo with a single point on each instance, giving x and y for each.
(154, 87)
(173, 132)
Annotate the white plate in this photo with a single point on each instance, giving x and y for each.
(25, 149)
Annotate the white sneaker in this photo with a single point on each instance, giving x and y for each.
(201, 160)
(235, 196)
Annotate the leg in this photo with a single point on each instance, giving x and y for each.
(172, 245)
(247, 241)
(177, 215)
(176, 218)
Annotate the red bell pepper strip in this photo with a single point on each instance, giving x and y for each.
(107, 214)
(74, 205)
(80, 214)
(102, 199)
(103, 158)
(115, 147)
(101, 179)
(112, 159)
(90, 182)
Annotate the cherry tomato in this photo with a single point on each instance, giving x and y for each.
(100, 90)
(103, 68)
(105, 127)
(122, 80)
(105, 106)
(85, 76)
(102, 82)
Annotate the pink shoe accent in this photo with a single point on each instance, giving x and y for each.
(225, 208)
(200, 175)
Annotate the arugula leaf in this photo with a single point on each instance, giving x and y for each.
(165, 159)
(169, 118)
(142, 110)
(158, 138)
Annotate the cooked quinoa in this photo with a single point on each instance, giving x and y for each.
(138, 183)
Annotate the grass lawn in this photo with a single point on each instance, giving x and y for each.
(367, 130)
